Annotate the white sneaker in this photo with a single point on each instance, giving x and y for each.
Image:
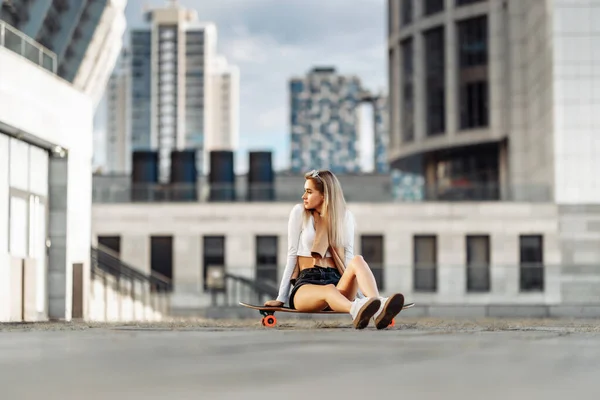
(362, 310)
(389, 308)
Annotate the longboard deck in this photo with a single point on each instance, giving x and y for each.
(291, 310)
(270, 320)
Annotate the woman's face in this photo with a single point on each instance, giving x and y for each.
(313, 199)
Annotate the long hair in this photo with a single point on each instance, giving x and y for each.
(334, 204)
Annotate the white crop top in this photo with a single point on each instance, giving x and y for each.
(300, 241)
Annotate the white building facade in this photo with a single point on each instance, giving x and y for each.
(461, 259)
(45, 191)
(85, 35)
(226, 107)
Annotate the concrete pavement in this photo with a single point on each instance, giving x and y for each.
(418, 359)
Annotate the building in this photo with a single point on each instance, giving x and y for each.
(494, 99)
(85, 35)
(473, 258)
(452, 259)
(226, 107)
(325, 122)
(45, 185)
(173, 86)
(118, 133)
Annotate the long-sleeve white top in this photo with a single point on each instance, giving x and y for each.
(300, 241)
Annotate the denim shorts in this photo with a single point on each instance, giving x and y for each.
(315, 276)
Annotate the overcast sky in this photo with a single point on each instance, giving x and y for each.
(272, 40)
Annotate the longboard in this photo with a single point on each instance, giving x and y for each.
(270, 320)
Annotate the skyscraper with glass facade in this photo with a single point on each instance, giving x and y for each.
(325, 122)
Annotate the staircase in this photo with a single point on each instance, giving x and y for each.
(121, 292)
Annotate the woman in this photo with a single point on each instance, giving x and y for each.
(321, 263)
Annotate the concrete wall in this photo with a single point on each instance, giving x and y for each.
(576, 38)
(43, 108)
(580, 245)
(240, 222)
(530, 105)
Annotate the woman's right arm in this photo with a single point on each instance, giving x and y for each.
(294, 229)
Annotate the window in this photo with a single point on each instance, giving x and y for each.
(473, 73)
(372, 251)
(109, 246)
(433, 6)
(468, 174)
(161, 255)
(478, 263)
(532, 263)
(425, 263)
(406, 12)
(408, 126)
(112, 243)
(214, 254)
(465, 2)
(266, 259)
(435, 82)
(393, 130)
(474, 105)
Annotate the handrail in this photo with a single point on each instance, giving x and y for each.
(16, 41)
(261, 288)
(238, 288)
(106, 260)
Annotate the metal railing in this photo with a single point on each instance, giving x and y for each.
(478, 279)
(127, 192)
(151, 290)
(238, 288)
(18, 42)
(104, 259)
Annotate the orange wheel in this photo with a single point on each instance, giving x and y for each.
(392, 324)
(262, 321)
(270, 321)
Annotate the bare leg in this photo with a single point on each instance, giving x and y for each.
(317, 297)
(358, 273)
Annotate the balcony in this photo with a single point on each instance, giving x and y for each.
(16, 41)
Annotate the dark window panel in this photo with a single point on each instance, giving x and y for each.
(532, 263)
(425, 263)
(478, 263)
(372, 250)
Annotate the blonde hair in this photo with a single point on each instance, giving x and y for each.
(334, 204)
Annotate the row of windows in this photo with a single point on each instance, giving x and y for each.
(425, 259)
(531, 263)
(406, 9)
(473, 93)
